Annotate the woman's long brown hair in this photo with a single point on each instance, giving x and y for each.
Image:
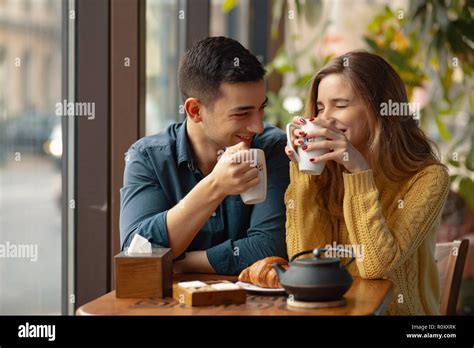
(396, 146)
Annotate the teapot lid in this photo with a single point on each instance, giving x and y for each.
(310, 261)
(317, 259)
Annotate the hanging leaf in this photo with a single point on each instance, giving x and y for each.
(303, 81)
(298, 7)
(470, 157)
(327, 58)
(466, 190)
(442, 129)
(228, 5)
(283, 64)
(418, 8)
(372, 44)
(277, 10)
(466, 133)
(313, 11)
(454, 163)
(441, 15)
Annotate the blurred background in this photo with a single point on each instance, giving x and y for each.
(52, 199)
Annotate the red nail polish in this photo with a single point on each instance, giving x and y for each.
(301, 142)
(304, 147)
(312, 159)
(303, 134)
(302, 120)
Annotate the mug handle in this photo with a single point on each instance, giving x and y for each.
(290, 127)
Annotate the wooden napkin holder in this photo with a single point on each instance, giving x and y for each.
(208, 296)
(144, 275)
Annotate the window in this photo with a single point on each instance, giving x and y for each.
(233, 24)
(30, 160)
(165, 24)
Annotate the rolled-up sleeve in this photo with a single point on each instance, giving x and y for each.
(143, 203)
(266, 233)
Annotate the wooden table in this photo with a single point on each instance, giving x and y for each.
(365, 297)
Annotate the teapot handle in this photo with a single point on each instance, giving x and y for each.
(348, 262)
(301, 253)
(318, 251)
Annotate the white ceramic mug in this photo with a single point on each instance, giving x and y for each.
(301, 156)
(258, 193)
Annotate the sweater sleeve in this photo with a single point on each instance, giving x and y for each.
(305, 227)
(386, 246)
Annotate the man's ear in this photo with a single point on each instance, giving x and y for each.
(193, 109)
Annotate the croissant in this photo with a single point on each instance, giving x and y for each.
(262, 274)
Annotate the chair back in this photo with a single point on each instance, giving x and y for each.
(450, 259)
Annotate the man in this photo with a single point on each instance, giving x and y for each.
(177, 193)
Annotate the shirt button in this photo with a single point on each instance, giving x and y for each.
(214, 214)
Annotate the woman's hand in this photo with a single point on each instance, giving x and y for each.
(340, 149)
(299, 134)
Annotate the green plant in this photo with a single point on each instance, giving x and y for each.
(431, 46)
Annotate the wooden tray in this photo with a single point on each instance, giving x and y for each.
(209, 295)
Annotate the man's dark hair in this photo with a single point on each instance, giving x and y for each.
(212, 61)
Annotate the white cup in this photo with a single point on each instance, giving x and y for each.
(301, 156)
(258, 193)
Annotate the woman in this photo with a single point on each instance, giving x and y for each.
(383, 188)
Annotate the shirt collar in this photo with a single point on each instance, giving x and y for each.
(183, 153)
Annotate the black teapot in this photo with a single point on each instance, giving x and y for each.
(317, 278)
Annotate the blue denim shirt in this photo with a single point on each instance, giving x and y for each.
(160, 171)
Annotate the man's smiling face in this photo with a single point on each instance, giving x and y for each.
(237, 115)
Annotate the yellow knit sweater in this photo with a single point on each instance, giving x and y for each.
(395, 225)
